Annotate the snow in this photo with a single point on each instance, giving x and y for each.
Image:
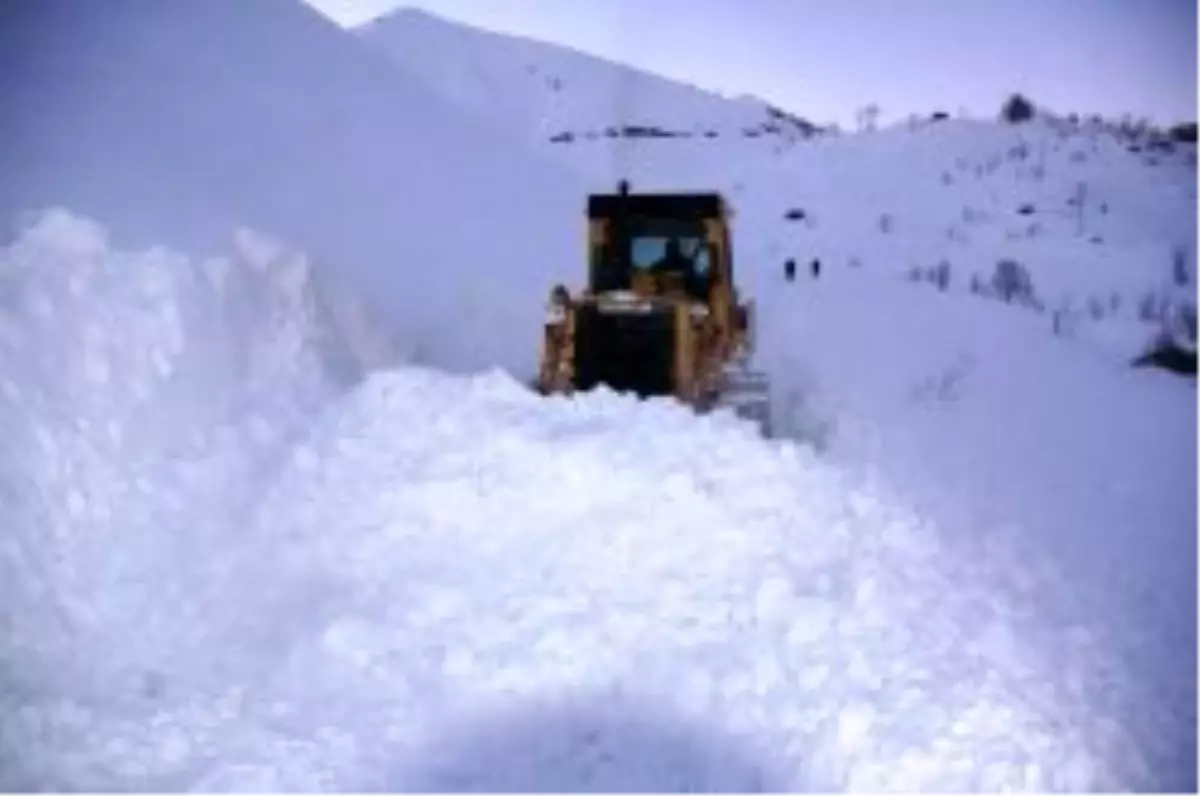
(539, 94)
(1076, 470)
(144, 397)
(952, 191)
(448, 582)
(176, 123)
(280, 515)
(542, 90)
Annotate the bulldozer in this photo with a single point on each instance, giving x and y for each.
(660, 315)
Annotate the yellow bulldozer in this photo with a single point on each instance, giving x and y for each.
(660, 315)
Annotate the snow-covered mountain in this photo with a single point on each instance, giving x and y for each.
(548, 92)
(1104, 224)
(256, 537)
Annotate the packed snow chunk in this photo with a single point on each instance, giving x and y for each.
(134, 442)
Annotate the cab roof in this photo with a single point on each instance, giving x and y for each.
(681, 206)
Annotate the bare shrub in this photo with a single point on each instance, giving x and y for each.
(1016, 109)
(1011, 282)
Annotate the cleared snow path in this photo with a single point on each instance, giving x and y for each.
(450, 583)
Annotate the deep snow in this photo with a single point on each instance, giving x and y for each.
(449, 582)
(247, 547)
(176, 122)
(1073, 474)
(144, 398)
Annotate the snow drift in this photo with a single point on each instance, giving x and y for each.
(176, 122)
(143, 396)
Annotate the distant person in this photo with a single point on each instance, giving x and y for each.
(789, 270)
(816, 268)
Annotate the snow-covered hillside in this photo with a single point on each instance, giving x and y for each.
(1095, 226)
(1095, 218)
(547, 92)
(175, 122)
(246, 549)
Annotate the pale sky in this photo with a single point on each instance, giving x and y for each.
(823, 59)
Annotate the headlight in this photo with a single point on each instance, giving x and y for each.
(699, 312)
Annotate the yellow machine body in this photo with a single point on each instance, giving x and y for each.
(660, 314)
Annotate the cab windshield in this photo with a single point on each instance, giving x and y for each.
(657, 248)
(661, 252)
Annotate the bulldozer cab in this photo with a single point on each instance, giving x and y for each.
(669, 245)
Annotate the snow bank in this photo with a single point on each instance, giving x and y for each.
(590, 594)
(143, 400)
(175, 122)
(1074, 473)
